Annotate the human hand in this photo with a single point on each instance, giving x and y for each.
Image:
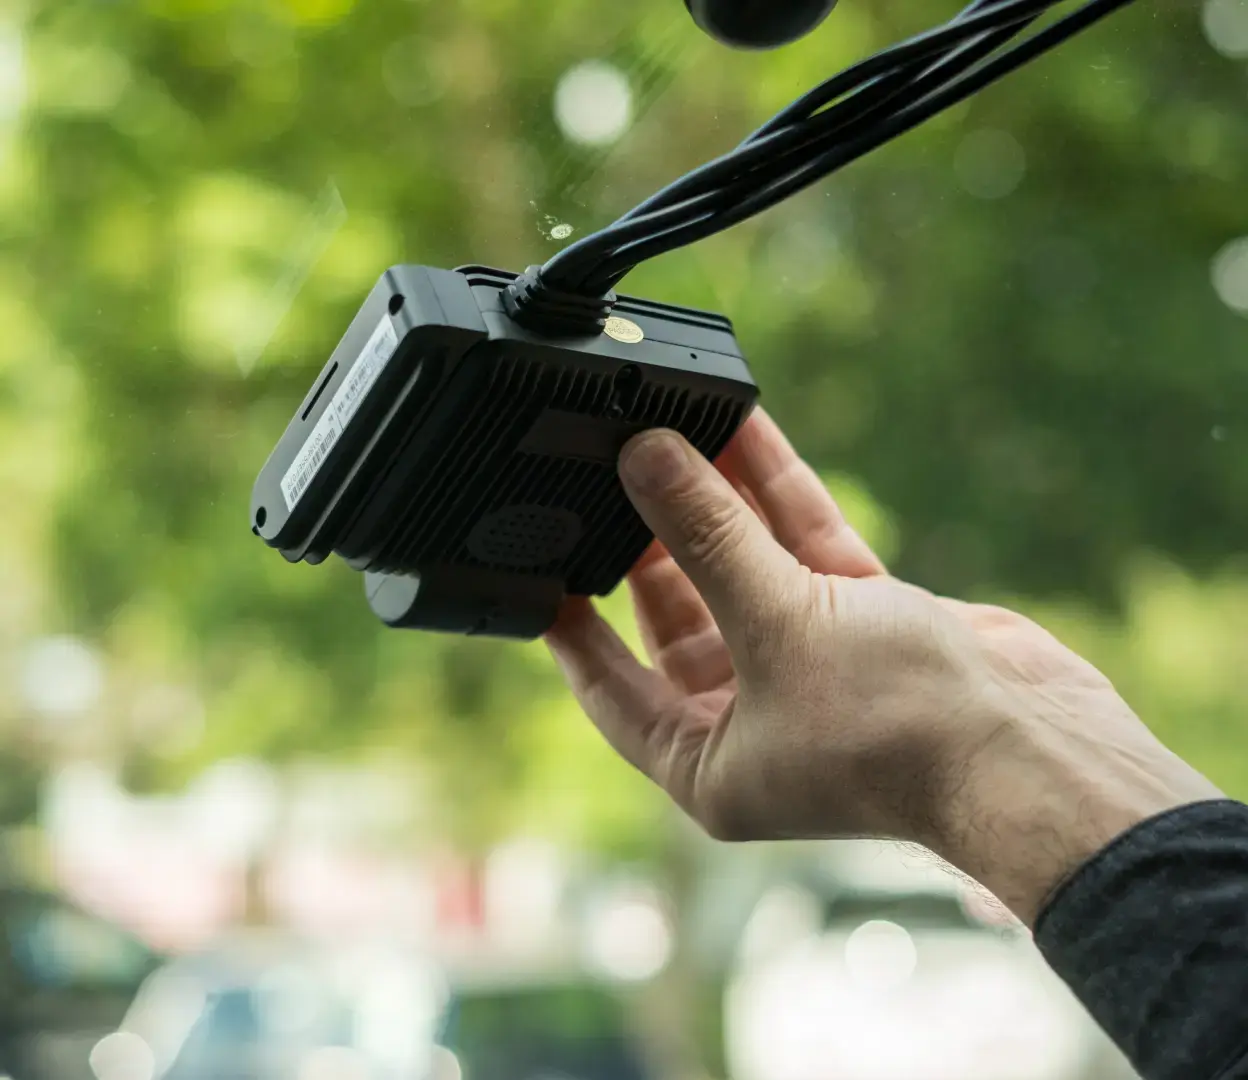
(797, 691)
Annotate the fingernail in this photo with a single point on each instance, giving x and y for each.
(654, 461)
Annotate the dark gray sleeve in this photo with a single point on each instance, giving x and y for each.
(1152, 936)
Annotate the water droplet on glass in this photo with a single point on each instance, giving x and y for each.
(561, 231)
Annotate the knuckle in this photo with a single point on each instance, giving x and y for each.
(993, 617)
(713, 531)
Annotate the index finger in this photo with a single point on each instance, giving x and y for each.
(626, 701)
(799, 508)
(680, 635)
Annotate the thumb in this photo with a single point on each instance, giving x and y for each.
(721, 545)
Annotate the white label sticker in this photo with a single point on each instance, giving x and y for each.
(338, 413)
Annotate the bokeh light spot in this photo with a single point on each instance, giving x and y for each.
(880, 955)
(122, 1056)
(593, 103)
(1226, 27)
(631, 939)
(1229, 271)
(61, 677)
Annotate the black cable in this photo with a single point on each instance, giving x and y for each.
(834, 124)
(828, 90)
(772, 146)
(842, 153)
(769, 158)
(771, 149)
(613, 269)
(975, 33)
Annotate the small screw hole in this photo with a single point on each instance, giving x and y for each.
(396, 302)
(262, 515)
(625, 387)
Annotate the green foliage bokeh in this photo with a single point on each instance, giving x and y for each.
(1038, 396)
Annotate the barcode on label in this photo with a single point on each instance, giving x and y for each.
(338, 413)
(353, 388)
(320, 448)
(364, 371)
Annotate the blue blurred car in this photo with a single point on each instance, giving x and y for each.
(273, 1008)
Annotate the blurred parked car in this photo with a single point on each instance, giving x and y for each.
(269, 1007)
(66, 980)
(275, 1008)
(570, 1030)
(871, 983)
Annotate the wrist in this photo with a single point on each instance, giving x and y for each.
(1048, 791)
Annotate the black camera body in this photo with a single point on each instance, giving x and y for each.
(468, 465)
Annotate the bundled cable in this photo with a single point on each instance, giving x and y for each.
(842, 119)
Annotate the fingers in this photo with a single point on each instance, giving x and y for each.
(793, 500)
(680, 635)
(668, 607)
(721, 545)
(681, 638)
(626, 701)
(726, 465)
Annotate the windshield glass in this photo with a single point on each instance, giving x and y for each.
(1011, 341)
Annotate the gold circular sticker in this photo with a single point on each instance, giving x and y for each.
(623, 330)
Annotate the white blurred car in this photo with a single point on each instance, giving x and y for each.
(901, 979)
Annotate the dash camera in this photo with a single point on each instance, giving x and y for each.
(461, 452)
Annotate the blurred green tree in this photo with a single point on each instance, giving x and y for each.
(1002, 326)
